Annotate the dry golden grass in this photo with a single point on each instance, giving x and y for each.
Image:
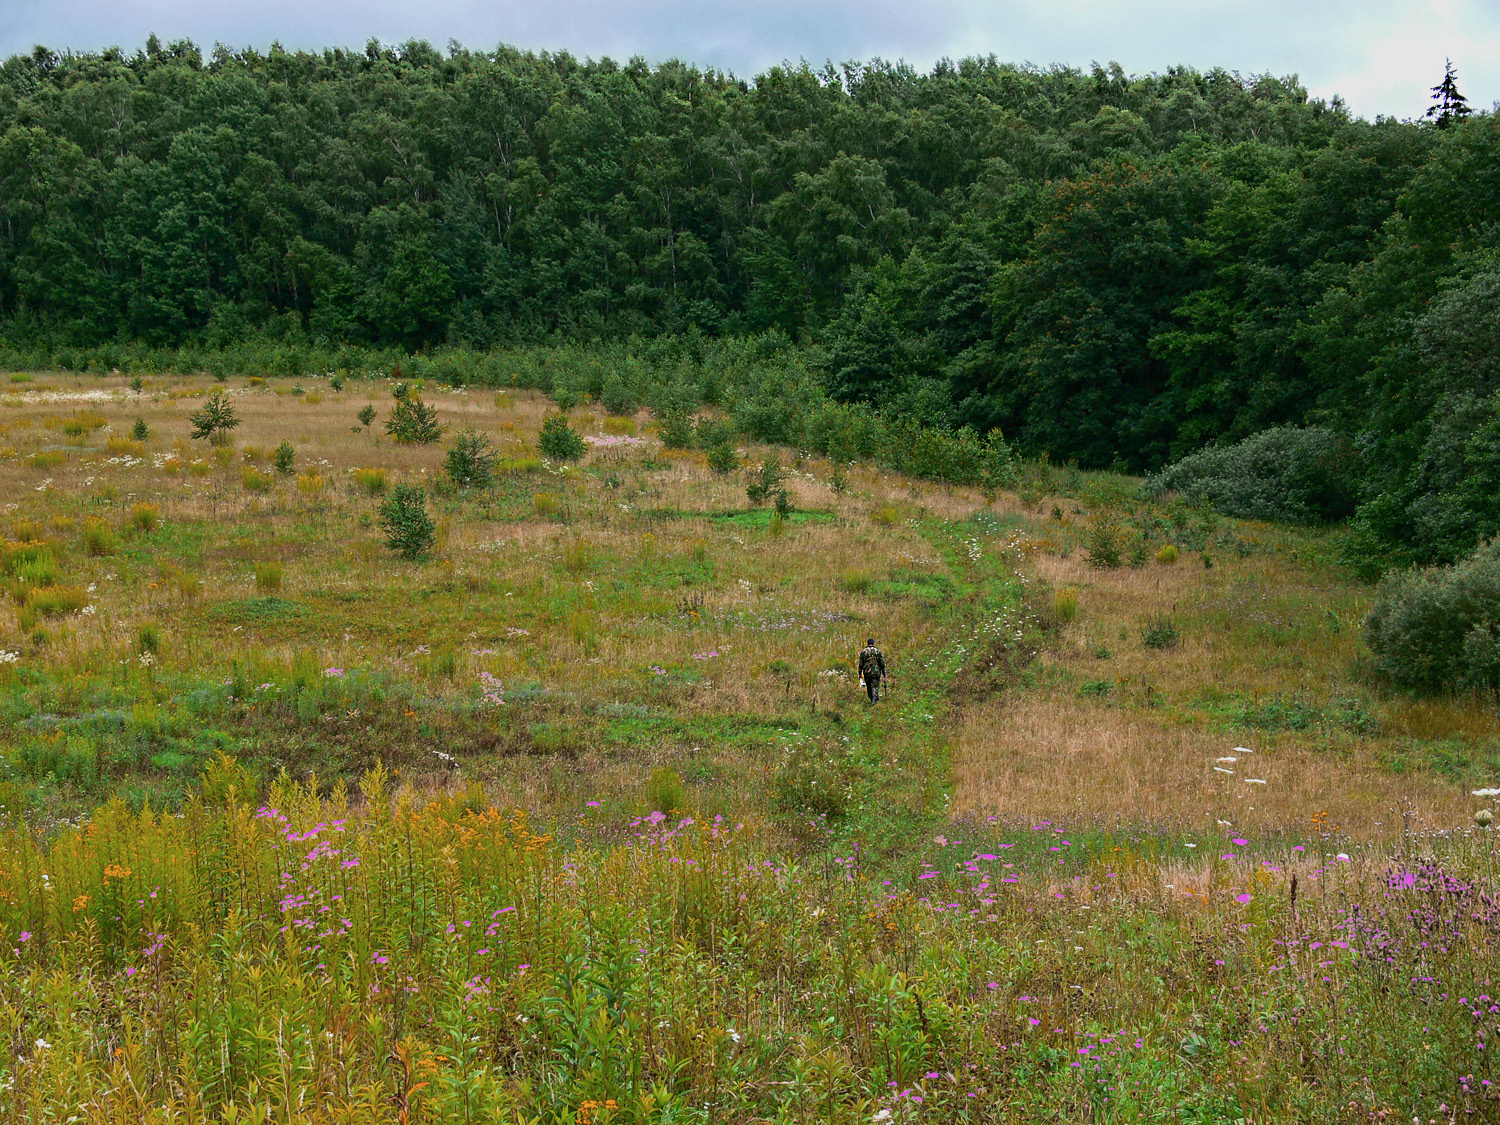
(1255, 630)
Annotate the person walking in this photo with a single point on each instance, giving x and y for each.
(871, 669)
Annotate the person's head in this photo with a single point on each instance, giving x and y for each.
(871, 642)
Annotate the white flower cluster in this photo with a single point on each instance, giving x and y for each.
(8, 657)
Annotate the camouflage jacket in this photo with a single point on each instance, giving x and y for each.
(871, 662)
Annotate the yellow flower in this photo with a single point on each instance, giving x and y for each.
(115, 871)
(80, 902)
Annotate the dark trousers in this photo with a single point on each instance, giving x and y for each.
(872, 686)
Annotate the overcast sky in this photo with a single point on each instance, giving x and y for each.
(1380, 55)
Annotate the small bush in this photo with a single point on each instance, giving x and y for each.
(565, 395)
(616, 396)
(885, 517)
(312, 398)
(49, 459)
(1159, 633)
(777, 527)
(372, 482)
(675, 428)
(366, 416)
(268, 576)
(413, 422)
(215, 420)
(559, 441)
(144, 517)
(1437, 629)
(1167, 556)
(767, 481)
(148, 639)
(117, 446)
(409, 530)
(284, 459)
(470, 462)
(1065, 605)
(723, 458)
(311, 484)
(1287, 474)
(1138, 552)
(619, 427)
(1105, 540)
(256, 481)
(98, 539)
(140, 431)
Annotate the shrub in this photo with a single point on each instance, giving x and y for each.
(268, 576)
(284, 459)
(312, 398)
(560, 441)
(409, 530)
(470, 462)
(675, 428)
(98, 539)
(723, 458)
(215, 420)
(616, 396)
(148, 639)
(1159, 632)
(1065, 605)
(885, 517)
(118, 446)
(565, 395)
(144, 517)
(311, 484)
(1105, 541)
(766, 482)
(140, 431)
(1291, 475)
(1438, 629)
(49, 459)
(413, 422)
(336, 381)
(366, 415)
(1167, 555)
(372, 482)
(256, 481)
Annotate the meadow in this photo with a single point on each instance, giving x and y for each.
(585, 818)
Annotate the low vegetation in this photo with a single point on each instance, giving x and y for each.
(550, 794)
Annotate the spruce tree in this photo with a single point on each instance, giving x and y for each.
(1448, 104)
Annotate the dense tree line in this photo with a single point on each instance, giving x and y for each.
(1111, 269)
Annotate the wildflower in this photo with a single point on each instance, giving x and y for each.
(25, 935)
(333, 673)
(1242, 899)
(42, 1044)
(1484, 818)
(8, 657)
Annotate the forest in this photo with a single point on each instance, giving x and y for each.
(1111, 270)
